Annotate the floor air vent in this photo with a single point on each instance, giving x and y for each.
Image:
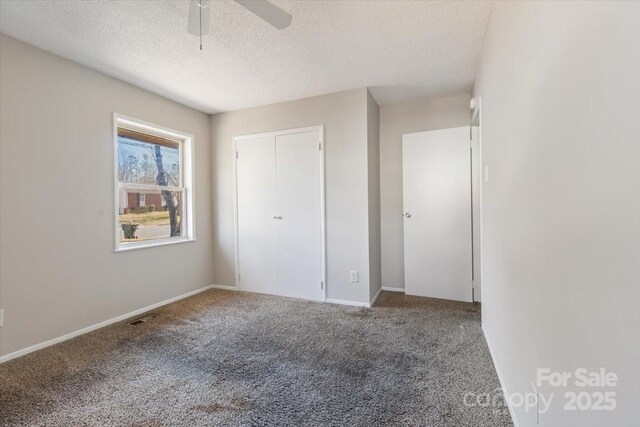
(142, 319)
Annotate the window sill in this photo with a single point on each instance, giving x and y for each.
(125, 247)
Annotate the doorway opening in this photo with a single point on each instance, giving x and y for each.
(442, 198)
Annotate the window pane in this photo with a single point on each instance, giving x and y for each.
(149, 214)
(140, 159)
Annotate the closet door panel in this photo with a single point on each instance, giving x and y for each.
(257, 240)
(298, 199)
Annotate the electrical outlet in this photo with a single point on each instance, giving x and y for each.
(1, 318)
(354, 276)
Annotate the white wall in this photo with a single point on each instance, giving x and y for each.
(560, 91)
(395, 120)
(373, 163)
(58, 271)
(344, 116)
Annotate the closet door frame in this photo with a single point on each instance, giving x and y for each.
(321, 149)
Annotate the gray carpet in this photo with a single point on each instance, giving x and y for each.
(227, 358)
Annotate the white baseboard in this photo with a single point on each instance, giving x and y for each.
(82, 331)
(375, 297)
(346, 302)
(500, 379)
(225, 287)
(391, 289)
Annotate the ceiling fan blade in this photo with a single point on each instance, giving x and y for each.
(268, 11)
(195, 6)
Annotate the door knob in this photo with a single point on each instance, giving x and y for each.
(277, 217)
(407, 215)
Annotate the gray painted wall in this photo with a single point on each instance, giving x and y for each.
(560, 90)
(373, 152)
(58, 271)
(395, 120)
(344, 116)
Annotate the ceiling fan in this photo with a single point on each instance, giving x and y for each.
(199, 15)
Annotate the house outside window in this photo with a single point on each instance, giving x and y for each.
(154, 185)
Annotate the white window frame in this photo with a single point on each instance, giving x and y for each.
(186, 185)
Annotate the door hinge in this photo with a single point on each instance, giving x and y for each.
(319, 146)
(236, 154)
(321, 285)
(238, 277)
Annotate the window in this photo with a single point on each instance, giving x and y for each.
(154, 189)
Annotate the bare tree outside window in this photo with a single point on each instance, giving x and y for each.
(161, 179)
(127, 167)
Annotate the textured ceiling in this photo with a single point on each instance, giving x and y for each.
(400, 49)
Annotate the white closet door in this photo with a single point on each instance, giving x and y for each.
(299, 253)
(437, 224)
(257, 240)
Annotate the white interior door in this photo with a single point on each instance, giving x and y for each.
(437, 206)
(298, 196)
(256, 196)
(476, 182)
